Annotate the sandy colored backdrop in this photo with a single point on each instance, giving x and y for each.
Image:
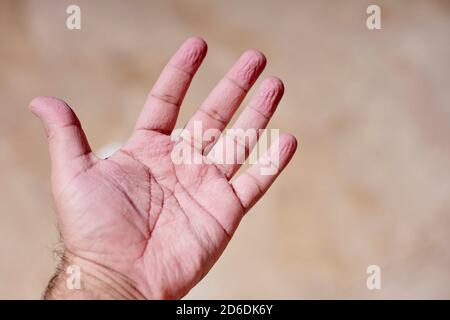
(370, 184)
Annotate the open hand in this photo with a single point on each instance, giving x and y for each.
(137, 224)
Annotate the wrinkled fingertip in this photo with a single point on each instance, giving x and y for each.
(196, 41)
(256, 55)
(38, 104)
(45, 101)
(288, 144)
(274, 82)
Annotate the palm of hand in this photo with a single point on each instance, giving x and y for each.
(159, 224)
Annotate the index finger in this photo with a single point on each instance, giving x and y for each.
(160, 111)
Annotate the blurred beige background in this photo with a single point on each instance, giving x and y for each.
(370, 184)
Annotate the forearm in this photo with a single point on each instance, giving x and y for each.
(94, 282)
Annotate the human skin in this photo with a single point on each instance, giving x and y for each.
(138, 225)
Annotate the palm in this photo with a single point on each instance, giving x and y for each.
(160, 224)
(159, 214)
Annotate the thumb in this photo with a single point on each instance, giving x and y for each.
(68, 145)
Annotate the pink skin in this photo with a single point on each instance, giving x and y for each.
(159, 225)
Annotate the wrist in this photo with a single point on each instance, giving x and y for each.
(78, 279)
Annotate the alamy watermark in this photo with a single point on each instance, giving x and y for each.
(373, 281)
(73, 21)
(373, 21)
(201, 146)
(73, 280)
